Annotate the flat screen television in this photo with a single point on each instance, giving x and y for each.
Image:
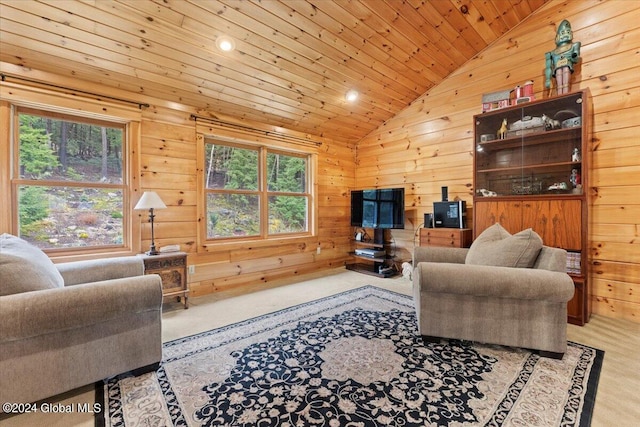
(378, 208)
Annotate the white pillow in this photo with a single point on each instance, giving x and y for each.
(497, 247)
(24, 267)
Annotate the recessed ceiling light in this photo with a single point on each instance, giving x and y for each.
(225, 43)
(351, 95)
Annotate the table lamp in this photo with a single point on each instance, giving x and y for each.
(150, 200)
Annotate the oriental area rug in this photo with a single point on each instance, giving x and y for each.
(352, 359)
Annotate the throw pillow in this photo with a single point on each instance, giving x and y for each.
(24, 267)
(497, 247)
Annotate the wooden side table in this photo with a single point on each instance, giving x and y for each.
(447, 237)
(172, 269)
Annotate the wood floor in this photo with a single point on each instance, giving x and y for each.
(617, 400)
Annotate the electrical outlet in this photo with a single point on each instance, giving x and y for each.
(192, 269)
(318, 250)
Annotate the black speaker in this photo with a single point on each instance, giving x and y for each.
(445, 194)
(450, 214)
(428, 220)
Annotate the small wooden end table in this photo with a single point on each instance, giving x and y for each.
(172, 269)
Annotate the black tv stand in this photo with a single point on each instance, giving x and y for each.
(381, 241)
(371, 271)
(378, 236)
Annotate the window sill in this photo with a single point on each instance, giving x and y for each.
(212, 247)
(58, 257)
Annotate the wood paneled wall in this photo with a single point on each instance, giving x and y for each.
(165, 162)
(169, 167)
(430, 144)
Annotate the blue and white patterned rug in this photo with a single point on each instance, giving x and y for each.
(353, 359)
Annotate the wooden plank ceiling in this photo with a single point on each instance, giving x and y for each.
(294, 59)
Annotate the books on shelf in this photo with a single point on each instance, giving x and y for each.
(573, 263)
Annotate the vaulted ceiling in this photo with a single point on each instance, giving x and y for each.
(294, 59)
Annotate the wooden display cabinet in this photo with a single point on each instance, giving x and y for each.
(553, 220)
(536, 176)
(172, 269)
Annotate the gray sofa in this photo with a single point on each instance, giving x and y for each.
(524, 306)
(72, 324)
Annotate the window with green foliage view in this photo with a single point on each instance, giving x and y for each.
(255, 191)
(69, 181)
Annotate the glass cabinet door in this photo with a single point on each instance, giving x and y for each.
(533, 149)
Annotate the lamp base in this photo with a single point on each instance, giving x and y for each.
(152, 249)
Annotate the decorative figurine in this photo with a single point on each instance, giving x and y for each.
(502, 132)
(575, 177)
(549, 123)
(575, 157)
(558, 186)
(487, 193)
(561, 60)
(524, 93)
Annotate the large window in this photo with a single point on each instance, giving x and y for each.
(255, 192)
(68, 180)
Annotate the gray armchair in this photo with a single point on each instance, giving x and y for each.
(519, 307)
(93, 320)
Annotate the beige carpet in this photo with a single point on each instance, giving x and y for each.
(617, 402)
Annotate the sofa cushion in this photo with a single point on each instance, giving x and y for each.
(497, 247)
(24, 267)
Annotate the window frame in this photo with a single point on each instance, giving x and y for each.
(263, 146)
(81, 111)
(270, 193)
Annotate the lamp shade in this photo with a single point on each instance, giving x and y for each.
(150, 200)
